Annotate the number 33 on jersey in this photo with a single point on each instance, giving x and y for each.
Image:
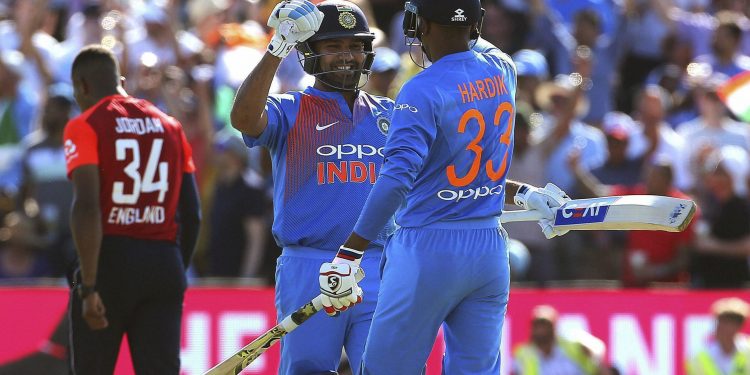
(458, 139)
(141, 154)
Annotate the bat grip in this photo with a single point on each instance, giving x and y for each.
(520, 215)
(318, 301)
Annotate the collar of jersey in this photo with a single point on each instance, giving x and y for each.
(105, 99)
(465, 55)
(324, 94)
(335, 95)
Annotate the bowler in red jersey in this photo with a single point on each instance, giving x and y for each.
(135, 221)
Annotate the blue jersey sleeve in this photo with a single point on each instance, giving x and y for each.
(278, 124)
(412, 132)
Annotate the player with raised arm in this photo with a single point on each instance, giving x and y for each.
(446, 159)
(326, 144)
(132, 173)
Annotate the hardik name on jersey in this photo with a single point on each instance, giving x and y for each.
(489, 87)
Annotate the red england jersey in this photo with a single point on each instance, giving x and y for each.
(141, 154)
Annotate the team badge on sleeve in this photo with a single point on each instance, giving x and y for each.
(383, 124)
(70, 149)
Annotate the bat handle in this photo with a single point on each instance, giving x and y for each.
(318, 302)
(520, 215)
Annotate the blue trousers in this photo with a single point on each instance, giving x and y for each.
(315, 347)
(443, 274)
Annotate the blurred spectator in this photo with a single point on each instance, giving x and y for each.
(671, 75)
(654, 139)
(723, 242)
(728, 351)
(562, 132)
(649, 256)
(548, 352)
(159, 37)
(234, 49)
(531, 70)
(17, 106)
(645, 36)
(20, 243)
(238, 215)
(148, 79)
(528, 156)
(45, 180)
(23, 33)
(506, 25)
(713, 129)
(189, 99)
(619, 168)
(699, 26)
(17, 109)
(55, 20)
(84, 28)
(604, 52)
(725, 56)
(384, 68)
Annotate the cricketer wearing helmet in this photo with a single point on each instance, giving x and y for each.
(326, 144)
(444, 175)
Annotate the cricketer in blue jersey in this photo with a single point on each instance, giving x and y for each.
(326, 145)
(444, 175)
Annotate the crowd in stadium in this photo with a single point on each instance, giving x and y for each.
(614, 97)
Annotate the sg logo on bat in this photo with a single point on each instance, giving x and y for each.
(572, 214)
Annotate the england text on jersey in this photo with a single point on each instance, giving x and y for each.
(479, 89)
(136, 215)
(138, 125)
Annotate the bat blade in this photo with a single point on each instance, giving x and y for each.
(245, 356)
(629, 212)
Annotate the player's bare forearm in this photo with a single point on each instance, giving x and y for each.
(511, 188)
(356, 242)
(248, 111)
(85, 222)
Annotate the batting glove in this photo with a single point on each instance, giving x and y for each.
(543, 200)
(294, 21)
(338, 285)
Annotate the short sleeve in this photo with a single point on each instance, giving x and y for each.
(188, 165)
(278, 125)
(80, 145)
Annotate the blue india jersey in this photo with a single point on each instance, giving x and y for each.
(452, 134)
(325, 161)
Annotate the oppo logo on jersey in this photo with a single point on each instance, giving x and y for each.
(349, 149)
(344, 171)
(474, 194)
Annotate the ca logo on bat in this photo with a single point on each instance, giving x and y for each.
(573, 214)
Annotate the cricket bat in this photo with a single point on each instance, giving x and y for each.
(234, 364)
(628, 212)
(245, 356)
